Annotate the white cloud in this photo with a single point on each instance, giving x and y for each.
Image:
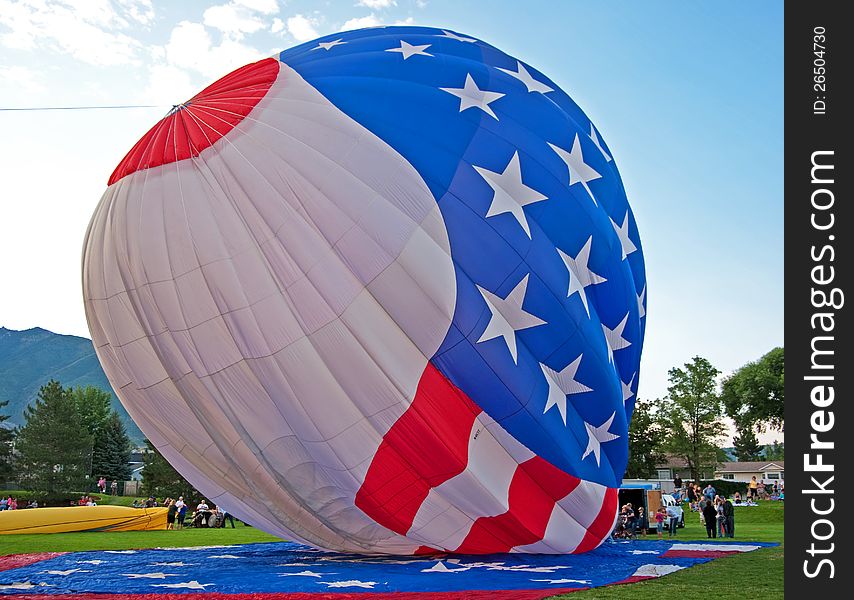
(88, 31)
(277, 26)
(168, 84)
(267, 7)
(372, 20)
(359, 22)
(377, 4)
(190, 47)
(19, 78)
(302, 28)
(233, 19)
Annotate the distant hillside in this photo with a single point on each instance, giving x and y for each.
(30, 358)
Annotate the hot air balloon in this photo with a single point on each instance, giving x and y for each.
(381, 293)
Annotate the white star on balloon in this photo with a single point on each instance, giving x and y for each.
(173, 564)
(91, 562)
(472, 96)
(149, 575)
(328, 45)
(580, 275)
(65, 573)
(508, 316)
(454, 36)
(641, 300)
(627, 388)
(579, 171)
(595, 137)
(561, 384)
(581, 581)
(509, 194)
(408, 50)
(596, 436)
(305, 574)
(190, 585)
(627, 245)
(350, 583)
(440, 567)
(22, 585)
(522, 74)
(614, 337)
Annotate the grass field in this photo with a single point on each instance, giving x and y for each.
(756, 574)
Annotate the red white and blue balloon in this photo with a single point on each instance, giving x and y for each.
(382, 293)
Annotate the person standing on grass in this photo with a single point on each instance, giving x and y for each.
(114, 488)
(719, 515)
(641, 521)
(660, 516)
(710, 519)
(752, 488)
(691, 495)
(171, 512)
(182, 511)
(729, 516)
(672, 520)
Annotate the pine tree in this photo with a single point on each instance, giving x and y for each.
(111, 454)
(746, 444)
(774, 451)
(7, 436)
(54, 447)
(93, 406)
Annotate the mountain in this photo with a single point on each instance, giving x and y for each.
(31, 358)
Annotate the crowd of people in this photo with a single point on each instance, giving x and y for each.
(176, 513)
(631, 522)
(716, 510)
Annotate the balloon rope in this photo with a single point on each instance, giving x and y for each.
(83, 107)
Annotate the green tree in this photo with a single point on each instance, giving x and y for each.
(7, 436)
(754, 395)
(774, 451)
(646, 440)
(160, 479)
(93, 406)
(54, 446)
(111, 454)
(746, 444)
(691, 415)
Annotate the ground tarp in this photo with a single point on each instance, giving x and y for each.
(286, 571)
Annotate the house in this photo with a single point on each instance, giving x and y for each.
(766, 471)
(674, 465)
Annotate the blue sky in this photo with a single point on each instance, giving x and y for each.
(689, 97)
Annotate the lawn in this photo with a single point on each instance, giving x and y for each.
(125, 540)
(755, 574)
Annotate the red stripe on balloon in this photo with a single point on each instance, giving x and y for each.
(201, 121)
(13, 561)
(602, 525)
(424, 448)
(536, 487)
